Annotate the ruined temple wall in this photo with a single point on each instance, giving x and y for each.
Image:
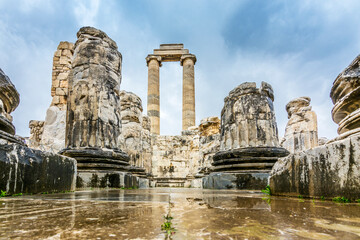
(49, 135)
(175, 156)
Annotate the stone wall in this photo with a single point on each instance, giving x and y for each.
(53, 131)
(60, 74)
(175, 159)
(332, 169)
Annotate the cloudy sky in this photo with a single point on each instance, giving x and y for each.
(299, 47)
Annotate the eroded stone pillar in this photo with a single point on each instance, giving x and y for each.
(9, 100)
(153, 101)
(301, 130)
(249, 135)
(188, 108)
(345, 95)
(93, 114)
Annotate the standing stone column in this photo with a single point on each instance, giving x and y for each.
(301, 130)
(188, 108)
(345, 94)
(153, 101)
(93, 114)
(249, 145)
(9, 100)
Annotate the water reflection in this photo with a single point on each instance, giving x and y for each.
(198, 214)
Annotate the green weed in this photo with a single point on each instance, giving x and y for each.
(267, 190)
(167, 226)
(3, 193)
(341, 200)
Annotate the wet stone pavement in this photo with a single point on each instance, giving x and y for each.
(197, 214)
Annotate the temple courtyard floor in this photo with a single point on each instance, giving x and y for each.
(196, 214)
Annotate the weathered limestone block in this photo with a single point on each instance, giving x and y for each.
(93, 114)
(209, 143)
(323, 141)
(60, 74)
(175, 159)
(146, 149)
(329, 170)
(301, 130)
(9, 100)
(345, 94)
(249, 135)
(53, 131)
(136, 139)
(209, 126)
(53, 136)
(26, 170)
(36, 131)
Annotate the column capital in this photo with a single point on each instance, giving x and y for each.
(151, 57)
(186, 56)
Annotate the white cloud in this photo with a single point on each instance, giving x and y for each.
(86, 12)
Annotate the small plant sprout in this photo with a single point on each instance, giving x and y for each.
(341, 200)
(267, 190)
(167, 226)
(3, 193)
(357, 200)
(322, 198)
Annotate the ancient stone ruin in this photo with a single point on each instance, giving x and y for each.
(249, 144)
(171, 53)
(345, 96)
(93, 115)
(301, 130)
(106, 140)
(22, 169)
(331, 169)
(9, 100)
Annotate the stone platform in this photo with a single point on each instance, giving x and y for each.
(329, 170)
(112, 179)
(197, 214)
(249, 181)
(26, 170)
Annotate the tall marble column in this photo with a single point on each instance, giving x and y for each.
(153, 101)
(188, 108)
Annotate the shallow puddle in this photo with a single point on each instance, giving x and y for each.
(197, 214)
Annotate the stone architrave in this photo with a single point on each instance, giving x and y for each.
(345, 95)
(171, 53)
(93, 114)
(9, 100)
(301, 130)
(249, 144)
